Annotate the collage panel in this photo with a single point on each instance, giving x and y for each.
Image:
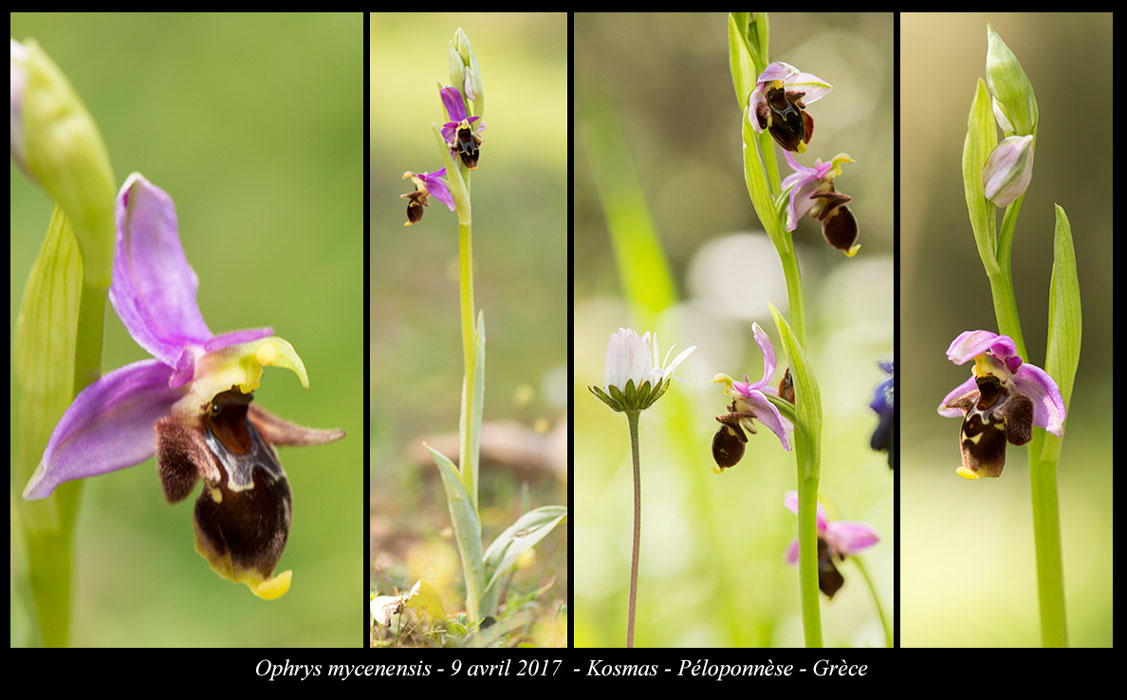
(1006, 270)
(474, 552)
(729, 226)
(193, 196)
(321, 319)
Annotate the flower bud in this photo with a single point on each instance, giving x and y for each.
(1010, 86)
(56, 142)
(19, 80)
(1008, 170)
(464, 72)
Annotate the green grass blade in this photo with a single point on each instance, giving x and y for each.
(642, 266)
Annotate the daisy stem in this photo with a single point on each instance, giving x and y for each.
(632, 419)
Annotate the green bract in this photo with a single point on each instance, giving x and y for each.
(63, 151)
(1010, 86)
(632, 399)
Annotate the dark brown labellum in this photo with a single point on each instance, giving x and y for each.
(830, 579)
(246, 515)
(467, 144)
(994, 415)
(415, 202)
(728, 445)
(790, 125)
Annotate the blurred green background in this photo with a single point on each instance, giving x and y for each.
(254, 125)
(658, 128)
(520, 254)
(967, 564)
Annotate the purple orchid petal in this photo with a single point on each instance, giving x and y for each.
(967, 386)
(790, 500)
(224, 340)
(1048, 405)
(971, 344)
(792, 553)
(452, 101)
(154, 288)
(109, 426)
(777, 71)
(769, 416)
(769, 363)
(814, 87)
(802, 183)
(437, 187)
(848, 537)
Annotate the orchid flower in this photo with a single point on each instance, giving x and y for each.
(1001, 402)
(426, 184)
(812, 190)
(836, 540)
(749, 402)
(634, 376)
(778, 104)
(884, 405)
(191, 405)
(462, 139)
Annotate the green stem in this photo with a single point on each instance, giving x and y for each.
(808, 559)
(1042, 472)
(469, 344)
(795, 304)
(632, 419)
(884, 621)
(1001, 281)
(1046, 538)
(807, 485)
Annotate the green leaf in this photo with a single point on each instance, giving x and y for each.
(1065, 323)
(1010, 85)
(43, 356)
(757, 36)
(519, 537)
(981, 140)
(467, 529)
(808, 401)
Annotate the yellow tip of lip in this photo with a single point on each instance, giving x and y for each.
(272, 589)
(853, 251)
(966, 473)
